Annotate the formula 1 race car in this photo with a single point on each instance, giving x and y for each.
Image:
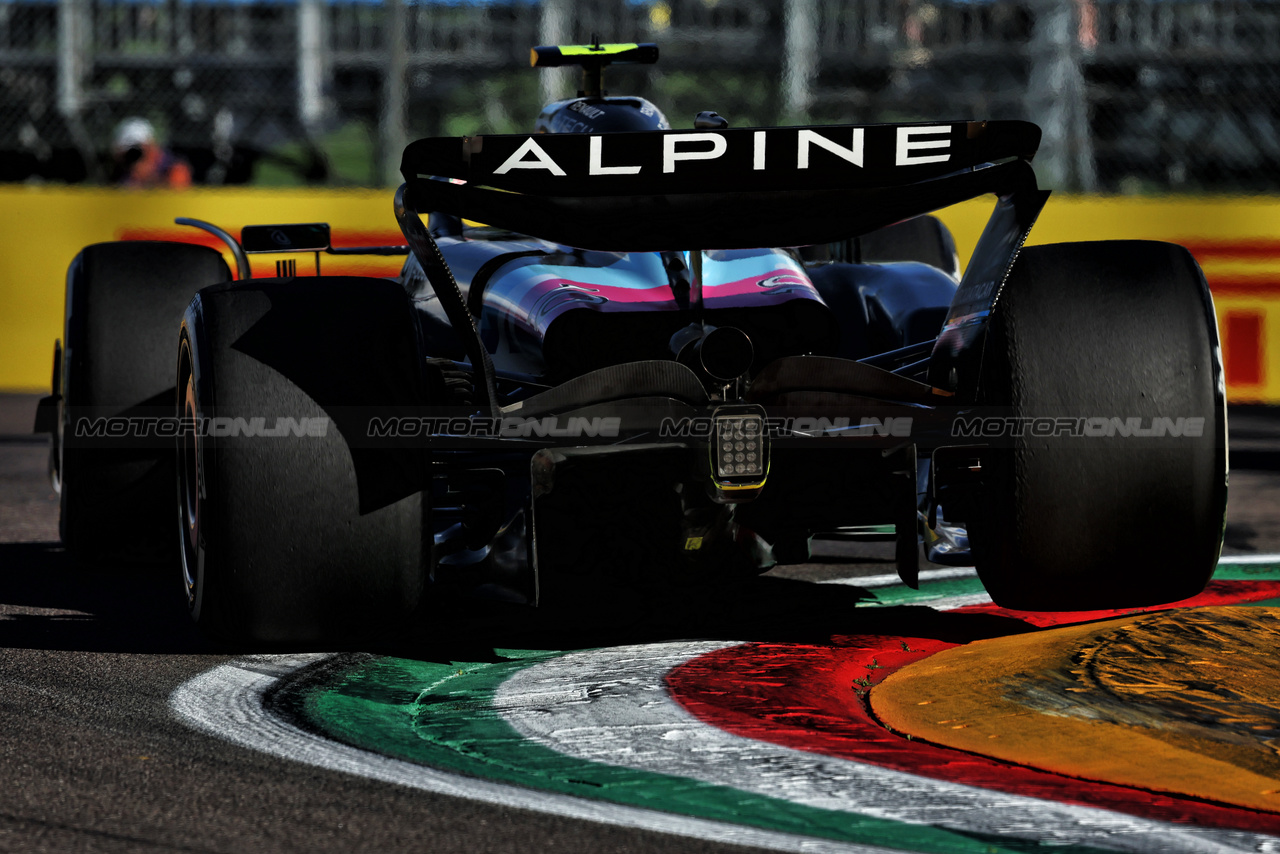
(612, 377)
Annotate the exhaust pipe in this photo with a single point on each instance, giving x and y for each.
(722, 353)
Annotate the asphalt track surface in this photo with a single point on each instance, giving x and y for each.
(94, 758)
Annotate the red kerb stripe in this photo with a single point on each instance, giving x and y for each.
(812, 697)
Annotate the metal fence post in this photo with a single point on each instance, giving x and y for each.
(73, 55)
(800, 61)
(75, 59)
(312, 64)
(1056, 98)
(553, 28)
(393, 133)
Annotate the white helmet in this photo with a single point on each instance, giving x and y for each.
(133, 133)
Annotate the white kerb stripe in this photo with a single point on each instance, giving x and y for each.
(226, 702)
(625, 718)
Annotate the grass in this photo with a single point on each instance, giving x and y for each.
(348, 151)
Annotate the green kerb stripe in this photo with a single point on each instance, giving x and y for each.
(946, 588)
(447, 720)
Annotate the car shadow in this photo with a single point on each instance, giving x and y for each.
(49, 601)
(760, 609)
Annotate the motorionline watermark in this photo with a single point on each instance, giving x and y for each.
(473, 426)
(608, 427)
(983, 427)
(897, 427)
(506, 427)
(172, 427)
(1095, 426)
(353, 424)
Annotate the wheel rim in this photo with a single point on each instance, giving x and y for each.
(189, 478)
(55, 452)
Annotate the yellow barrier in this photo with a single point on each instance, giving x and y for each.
(1237, 241)
(43, 228)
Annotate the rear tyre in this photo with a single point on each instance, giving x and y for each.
(1095, 332)
(124, 307)
(315, 535)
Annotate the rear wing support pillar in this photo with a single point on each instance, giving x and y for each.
(447, 291)
(1018, 204)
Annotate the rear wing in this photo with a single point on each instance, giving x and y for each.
(717, 189)
(730, 189)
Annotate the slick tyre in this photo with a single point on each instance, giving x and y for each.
(123, 310)
(1127, 508)
(296, 527)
